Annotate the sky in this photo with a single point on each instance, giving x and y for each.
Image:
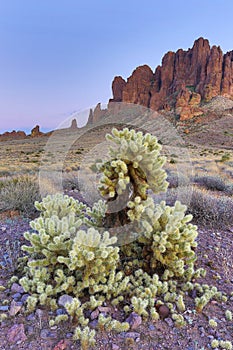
(58, 57)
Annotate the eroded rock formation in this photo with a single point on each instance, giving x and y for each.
(182, 83)
(35, 132)
(12, 135)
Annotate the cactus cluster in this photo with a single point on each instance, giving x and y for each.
(72, 256)
(135, 159)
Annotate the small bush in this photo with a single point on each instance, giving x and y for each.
(212, 210)
(70, 182)
(214, 183)
(225, 157)
(175, 180)
(19, 193)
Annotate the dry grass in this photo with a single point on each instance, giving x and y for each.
(207, 171)
(19, 193)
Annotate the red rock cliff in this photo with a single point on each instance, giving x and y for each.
(182, 82)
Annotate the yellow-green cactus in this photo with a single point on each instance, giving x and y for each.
(135, 159)
(72, 256)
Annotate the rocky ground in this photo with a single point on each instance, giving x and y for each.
(31, 331)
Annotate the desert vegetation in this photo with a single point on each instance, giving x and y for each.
(75, 261)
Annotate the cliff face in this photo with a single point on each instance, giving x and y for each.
(182, 82)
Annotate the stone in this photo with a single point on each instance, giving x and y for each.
(134, 320)
(30, 330)
(163, 311)
(15, 308)
(24, 298)
(115, 347)
(169, 321)
(16, 334)
(132, 335)
(16, 288)
(39, 313)
(95, 314)
(31, 317)
(64, 299)
(47, 334)
(16, 296)
(4, 308)
(151, 327)
(62, 345)
(60, 312)
(93, 324)
(105, 309)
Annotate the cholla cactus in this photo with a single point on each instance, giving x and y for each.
(167, 236)
(86, 337)
(66, 258)
(71, 255)
(135, 160)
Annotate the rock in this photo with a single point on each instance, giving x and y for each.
(137, 88)
(93, 324)
(62, 345)
(16, 296)
(16, 334)
(30, 330)
(163, 311)
(60, 312)
(169, 321)
(39, 313)
(134, 320)
(132, 335)
(4, 308)
(105, 309)
(47, 334)
(15, 308)
(69, 335)
(64, 299)
(74, 124)
(118, 85)
(13, 135)
(151, 327)
(90, 118)
(24, 298)
(31, 317)
(95, 314)
(35, 132)
(181, 83)
(16, 288)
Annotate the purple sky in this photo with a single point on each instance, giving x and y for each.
(57, 57)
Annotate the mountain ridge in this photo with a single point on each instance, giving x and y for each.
(183, 81)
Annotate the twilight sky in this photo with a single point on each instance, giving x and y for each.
(60, 56)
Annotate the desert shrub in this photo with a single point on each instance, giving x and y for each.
(225, 157)
(229, 189)
(214, 183)
(176, 179)
(210, 209)
(70, 182)
(75, 262)
(19, 193)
